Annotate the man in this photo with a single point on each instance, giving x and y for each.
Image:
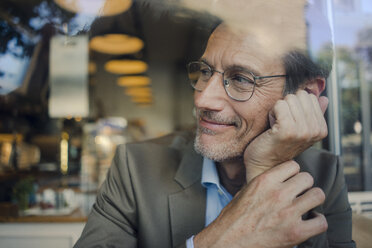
(246, 180)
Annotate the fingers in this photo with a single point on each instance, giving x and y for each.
(309, 200)
(315, 225)
(310, 113)
(308, 228)
(320, 106)
(299, 183)
(323, 102)
(283, 171)
(280, 116)
(297, 106)
(300, 115)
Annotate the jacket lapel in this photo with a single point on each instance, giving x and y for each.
(321, 239)
(187, 207)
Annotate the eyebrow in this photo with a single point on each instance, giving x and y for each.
(204, 61)
(234, 67)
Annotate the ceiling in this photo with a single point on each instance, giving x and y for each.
(172, 36)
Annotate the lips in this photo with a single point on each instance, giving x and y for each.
(214, 125)
(215, 121)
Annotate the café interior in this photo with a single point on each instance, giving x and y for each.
(80, 77)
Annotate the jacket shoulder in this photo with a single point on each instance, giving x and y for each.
(324, 166)
(156, 160)
(327, 171)
(177, 140)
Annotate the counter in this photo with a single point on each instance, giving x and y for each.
(42, 231)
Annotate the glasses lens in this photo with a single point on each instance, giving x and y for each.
(239, 85)
(199, 73)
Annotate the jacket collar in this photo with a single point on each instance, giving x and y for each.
(190, 168)
(187, 207)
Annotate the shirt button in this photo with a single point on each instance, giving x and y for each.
(220, 192)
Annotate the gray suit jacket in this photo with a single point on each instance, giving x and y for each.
(153, 197)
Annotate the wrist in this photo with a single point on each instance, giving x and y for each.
(206, 238)
(254, 169)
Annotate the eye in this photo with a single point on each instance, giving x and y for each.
(242, 80)
(205, 72)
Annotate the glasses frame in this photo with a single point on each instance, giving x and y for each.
(225, 82)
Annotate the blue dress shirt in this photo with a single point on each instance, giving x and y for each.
(217, 195)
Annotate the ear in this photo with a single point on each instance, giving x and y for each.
(315, 86)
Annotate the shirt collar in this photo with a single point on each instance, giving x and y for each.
(209, 173)
(210, 177)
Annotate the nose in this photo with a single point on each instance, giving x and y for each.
(213, 97)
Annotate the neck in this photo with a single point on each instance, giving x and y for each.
(232, 175)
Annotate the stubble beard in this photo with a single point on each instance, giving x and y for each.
(231, 149)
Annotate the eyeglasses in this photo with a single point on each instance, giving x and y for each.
(239, 84)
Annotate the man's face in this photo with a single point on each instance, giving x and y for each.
(226, 126)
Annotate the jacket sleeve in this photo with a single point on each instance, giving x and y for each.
(338, 212)
(113, 220)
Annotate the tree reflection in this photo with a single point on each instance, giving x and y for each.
(20, 27)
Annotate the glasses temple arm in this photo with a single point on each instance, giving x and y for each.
(261, 77)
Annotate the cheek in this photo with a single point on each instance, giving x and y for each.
(255, 114)
(254, 119)
(266, 97)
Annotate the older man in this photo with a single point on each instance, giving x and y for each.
(247, 179)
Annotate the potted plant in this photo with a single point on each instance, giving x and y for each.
(21, 192)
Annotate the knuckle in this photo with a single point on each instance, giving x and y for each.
(302, 93)
(294, 234)
(324, 134)
(287, 135)
(314, 128)
(324, 130)
(305, 135)
(323, 223)
(280, 102)
(295, 165)
(261, 179)
(317, 133)
(308, 178)
(313, 97)
(318, 194)
(279, 105)
(289, 97)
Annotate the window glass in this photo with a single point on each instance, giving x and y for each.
(353, 40)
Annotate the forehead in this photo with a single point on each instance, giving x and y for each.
(227, 47)
(276, 25)
(261, 29)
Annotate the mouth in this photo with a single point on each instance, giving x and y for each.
(214, 125)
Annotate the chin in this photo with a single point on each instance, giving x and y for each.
(210, 146)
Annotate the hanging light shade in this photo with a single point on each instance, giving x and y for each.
(95, 7)
(134, 81)
(142, 99)
(116, 44)
(92, 68)
(138, 91)
(126, 66)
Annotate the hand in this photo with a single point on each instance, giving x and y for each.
(267, 212)
(296, 122)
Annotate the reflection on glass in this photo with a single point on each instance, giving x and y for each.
(353, 40)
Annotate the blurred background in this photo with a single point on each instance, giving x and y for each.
(79, 77)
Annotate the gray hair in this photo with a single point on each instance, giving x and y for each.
(300, 68)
